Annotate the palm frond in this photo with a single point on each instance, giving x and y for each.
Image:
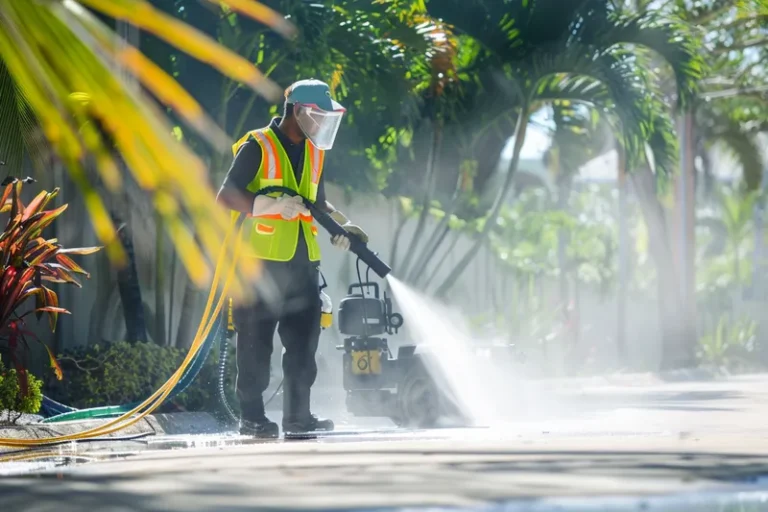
(612, 84)
(662, 142)
(671, 39)
(11, 138)
(744, 148)
(54, 49)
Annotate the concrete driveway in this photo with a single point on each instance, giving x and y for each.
(630, 446)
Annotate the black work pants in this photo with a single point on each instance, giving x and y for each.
(287, 299)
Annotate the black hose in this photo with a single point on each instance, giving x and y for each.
(223, 356)
(223, 353)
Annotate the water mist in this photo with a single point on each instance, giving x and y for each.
(482, 390)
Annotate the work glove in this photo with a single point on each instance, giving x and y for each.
(342, 242)
(288, 207)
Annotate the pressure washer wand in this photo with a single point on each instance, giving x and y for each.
(357, 246)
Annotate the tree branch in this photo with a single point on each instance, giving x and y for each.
(754, 43)
(744, 91)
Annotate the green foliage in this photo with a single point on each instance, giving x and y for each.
(588, 52)
(12, 402)
(732, 345)
(737, 216)
(528, 236)
(29, 263)
(122, 372)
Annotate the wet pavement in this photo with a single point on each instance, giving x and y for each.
(655, 446)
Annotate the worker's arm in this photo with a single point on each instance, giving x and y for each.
(234, 193)
(340, 218)
(320, 201)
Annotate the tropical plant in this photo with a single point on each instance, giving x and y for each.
(732, 345)
(737, 220)
(172, 174)
(587, 52)
(27, 263)
(14, 403)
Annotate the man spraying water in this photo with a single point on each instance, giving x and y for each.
(280, 232)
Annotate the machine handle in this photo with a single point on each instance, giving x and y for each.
(357, 246)
(362, 286)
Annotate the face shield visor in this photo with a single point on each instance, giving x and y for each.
(319, 126)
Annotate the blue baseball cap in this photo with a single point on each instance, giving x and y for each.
(313, 92)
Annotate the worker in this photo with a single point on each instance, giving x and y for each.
(279, 231)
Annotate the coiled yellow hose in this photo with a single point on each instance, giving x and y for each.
(157, 398)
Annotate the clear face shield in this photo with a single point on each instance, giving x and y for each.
(319, 126)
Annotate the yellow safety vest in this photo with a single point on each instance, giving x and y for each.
(271, 237)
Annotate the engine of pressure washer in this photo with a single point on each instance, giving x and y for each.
(364, 316)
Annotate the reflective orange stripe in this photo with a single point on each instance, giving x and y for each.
(316, 157)
(264, 229)
(320, 165)
(278, 171)
(277, 216)
(268, 156)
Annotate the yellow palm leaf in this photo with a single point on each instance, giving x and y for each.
(62, 57)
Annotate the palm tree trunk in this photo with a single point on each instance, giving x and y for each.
(421, 274)
(520, 131)
(396, 238)
(624, 253)
(159, 327)
(129, 287)
(438, 234)
(187, 321)
(171, 300)
(104, 286)
(426, 201)
(563, 195)
(443, 259)
(671, 319)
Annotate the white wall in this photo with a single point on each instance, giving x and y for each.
(472, 293)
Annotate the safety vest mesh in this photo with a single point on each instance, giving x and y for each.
(270, 237)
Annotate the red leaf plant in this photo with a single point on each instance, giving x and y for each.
(28, 262)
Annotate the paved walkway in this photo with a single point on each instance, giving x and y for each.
(646, 440)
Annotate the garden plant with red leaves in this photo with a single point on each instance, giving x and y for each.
(28, 262)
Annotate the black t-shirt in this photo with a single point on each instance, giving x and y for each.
(248, 160)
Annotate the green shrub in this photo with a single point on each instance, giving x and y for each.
(12, 403)
(732, 345)
(120, 373)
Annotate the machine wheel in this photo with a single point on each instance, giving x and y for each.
(418, 399)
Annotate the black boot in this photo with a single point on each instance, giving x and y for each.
(263, 429)
(297, 419)
(307, 425)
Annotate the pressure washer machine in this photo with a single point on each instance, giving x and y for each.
(378, 384)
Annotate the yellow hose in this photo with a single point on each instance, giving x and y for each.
(158, 396)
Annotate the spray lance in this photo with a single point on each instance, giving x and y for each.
(357, 246)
